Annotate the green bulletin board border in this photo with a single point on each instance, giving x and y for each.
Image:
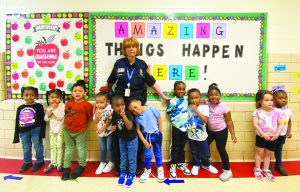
(262, 17)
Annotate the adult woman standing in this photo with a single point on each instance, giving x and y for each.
(130, 77)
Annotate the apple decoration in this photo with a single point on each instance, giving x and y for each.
(43, 87)
(60, 83)
(30, 64)
(66, 25)
(31, 81)
(78, 64)
(24, 73)
(52, 85)
(79, 52)
(15, 86)
(64, 42)
(38, 73)
(77, 77)
(77, 36)
(60, 67)
(28, 40)
(51, 74)
(69, 87)
(78, 24)
(15, 65)
(27, 25)
(15, 76)
(29, 52)
(46, 19)
(46, 53)
(15, 38)
(66, 55)
(20, 52)
(69, 74)
(14, 26)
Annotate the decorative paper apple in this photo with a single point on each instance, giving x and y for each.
(78, 24)
(20, 52)
(38, 73)
(31, 80)
(15, 65)
(52, 85)
(14, 26)
(51, 74)
(46, 19)
(27, 25)
(69, 74)
(66, 25)
(30, 64)
(43, 87)
(60, 83)
(66, 55)
(77, 77)
(15, 76)
(64, 42)
(69, 86)
(46, 53)
(15, 37)
(24, 73)
(28, 40)
(15, 86)
(77, 36)
(60, 67)
(29, 52)
(79, 51)
(78, 64)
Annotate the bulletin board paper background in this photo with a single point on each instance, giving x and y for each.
(238, 78)
(46, 50)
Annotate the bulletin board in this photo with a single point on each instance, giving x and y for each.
(46, 50)
(224, 48)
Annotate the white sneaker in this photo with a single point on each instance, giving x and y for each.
(100, 168)
(160, 174)
(195, 170)
(183, 168)
(110, 166)
(226, 175)
(173, 171)
(210, 168)
(145, 175)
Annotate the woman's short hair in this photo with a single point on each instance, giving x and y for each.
(128, 42)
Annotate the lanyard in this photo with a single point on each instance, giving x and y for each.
(129, 76)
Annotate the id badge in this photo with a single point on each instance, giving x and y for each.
(127, 92)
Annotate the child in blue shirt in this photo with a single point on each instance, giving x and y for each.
(149, 128)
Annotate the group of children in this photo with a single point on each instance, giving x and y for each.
(119, 127)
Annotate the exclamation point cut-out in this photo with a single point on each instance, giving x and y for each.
(205, 70)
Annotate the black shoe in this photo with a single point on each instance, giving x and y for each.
(138, 171)
(271, 168)
(66, 174)
(117, 172)
(281, 170)
(25, 167)
(37, 166)
(78, 171)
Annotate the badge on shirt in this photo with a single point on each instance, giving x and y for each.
(121, 70)
(141, 72)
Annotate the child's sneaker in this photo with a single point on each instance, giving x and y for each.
(49, 168)
(268, 174)
(122, 178)
(195, 170)
(100, 168)
(59, 168)
(130, 180)
(145, 175)
(173, 171)
(160, 174)
(25, 167)
(210, 168)
(226, 175)
(78, 171)
(110, 166)
(183, 168)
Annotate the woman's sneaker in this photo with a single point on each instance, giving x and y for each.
(226, 175)
(100, 168)
(210, 168)
(122, 178)
(130, 180)
(110, 166)
(160, 174)
(145, 175)
(173, 171)
(195, 170)
(183, 168)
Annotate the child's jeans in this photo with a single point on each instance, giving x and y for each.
(278, 150)
(155, 139)
(106, 146)
(200, 151)
(179, 139)
(29, 137)
(128, 152)
(56, 144)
